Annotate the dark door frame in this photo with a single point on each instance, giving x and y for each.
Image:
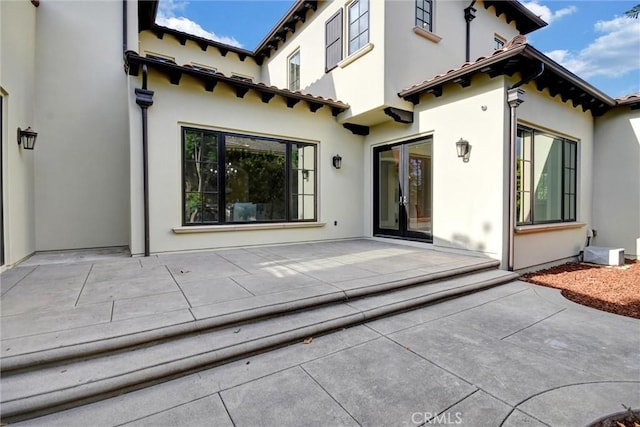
(403, 231)
(2, 259)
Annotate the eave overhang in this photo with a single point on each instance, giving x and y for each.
(182, 38)
(524, 59)
(526, 21)
(174, 73)
(287, 25)
(147, 11)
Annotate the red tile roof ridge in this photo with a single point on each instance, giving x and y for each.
(629, 96)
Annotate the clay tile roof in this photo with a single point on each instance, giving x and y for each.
(633, 99)
(516, 42)
(240, 84)
(518, 56)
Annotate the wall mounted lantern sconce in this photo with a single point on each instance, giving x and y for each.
(27, 138)
(464, 149)
(337, 161)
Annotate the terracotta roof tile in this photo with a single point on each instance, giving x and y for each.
(630, 97)
(515, 42)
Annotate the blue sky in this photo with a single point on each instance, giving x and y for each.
(593, 39)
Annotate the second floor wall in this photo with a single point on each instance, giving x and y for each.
(383, 47)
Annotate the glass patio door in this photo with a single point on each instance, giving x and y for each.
(402, 190)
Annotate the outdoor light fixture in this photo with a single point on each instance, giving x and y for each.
(27, 138)
(464, 149)
(337, 161)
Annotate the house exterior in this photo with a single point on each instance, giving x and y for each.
(162, 141)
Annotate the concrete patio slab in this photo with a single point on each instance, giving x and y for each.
(517, 313)
(593, 341)
(413, 318)
(24, 325)
(382, 383)
(504, 370)
(478, 409)
(12, 277)
(211, 290)
(208, 410)
(276, 280)
(449, 371)
(582, 404)
(305, 401)
(148, 305)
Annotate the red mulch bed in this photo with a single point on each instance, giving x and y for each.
(612, 289)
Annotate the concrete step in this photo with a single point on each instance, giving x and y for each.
(41, 349)
(63, 382)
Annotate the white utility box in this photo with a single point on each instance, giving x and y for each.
(604, 256)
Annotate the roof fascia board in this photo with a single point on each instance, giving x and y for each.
(198, 39)
(287, 16)
(533, 53)
(313, 101)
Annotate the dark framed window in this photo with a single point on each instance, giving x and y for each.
(231, 178)
(546, 177)
(424, 14)
(294, 71)
(333, 41)
(498, 42)
(358, 25)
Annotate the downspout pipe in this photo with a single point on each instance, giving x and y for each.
(469, 15)
(124, 26)
(515, 97)
(144, 98)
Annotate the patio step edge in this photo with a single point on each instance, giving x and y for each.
(29, 360)
(22, 408)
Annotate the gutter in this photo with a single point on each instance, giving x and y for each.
(514, 99)
(144, 98)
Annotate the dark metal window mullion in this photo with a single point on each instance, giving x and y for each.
(201, 184)
(287, 182)
(532, 166)
(563, 179)
(222, 178)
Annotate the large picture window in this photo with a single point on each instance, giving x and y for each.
(358, 25)
(230, 178)
(545, 177)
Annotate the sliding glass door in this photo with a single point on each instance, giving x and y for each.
(403, 190)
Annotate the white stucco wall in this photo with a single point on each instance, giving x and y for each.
(81, 170)
(359, 83)
(411, 58)
(541, 111)
(467, 197)
(616, 176)
(17, 78)
(340, 191)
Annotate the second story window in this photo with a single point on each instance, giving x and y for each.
(498, 42)
(294, 71)
(358, 25)
(424, 14)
